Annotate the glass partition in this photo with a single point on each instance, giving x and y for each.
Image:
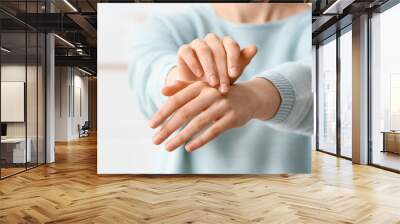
(327, 97)
(32, 95)
(14, 153)
(22, 77)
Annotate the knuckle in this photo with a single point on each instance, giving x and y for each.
(173, 102)
(196, 42)
(199, 44)
(185, 113)
(163, 132)
(212, 92)
(161, 113)
(183, 49)
(201, 121)
(166, 130)
(216, 130)
(182, 115)
(201, 85)
(203, 48)
(225, 104)
(211, 36)
(229, 41)
(198, 124)
(233, 117)
(180, 138)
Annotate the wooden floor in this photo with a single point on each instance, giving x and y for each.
(387, 159)
(5, 172)
(70, 191)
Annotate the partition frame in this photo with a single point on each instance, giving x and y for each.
(44, 95)
(334, 37)
(381, 9)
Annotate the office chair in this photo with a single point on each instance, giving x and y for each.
(84, 130)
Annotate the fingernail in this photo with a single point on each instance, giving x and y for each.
(213, 80)
(152, 123)
(224, 88)
(188, 148)
(169, 147)
(157, 139)
(233, 72)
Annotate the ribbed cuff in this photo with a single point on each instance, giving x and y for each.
(287, 94)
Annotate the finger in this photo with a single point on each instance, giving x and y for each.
(212, 132)
(177, 86)
(195, 126)
(184, 72)
(205, 56)
(188, 56)
(246, 55)
(175, 102)
(232, 50)
(219, 56)
(182, 116)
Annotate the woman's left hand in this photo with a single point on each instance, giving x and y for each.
(204, 107)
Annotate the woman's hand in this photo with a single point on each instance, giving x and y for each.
(204, 107)
(217, 61)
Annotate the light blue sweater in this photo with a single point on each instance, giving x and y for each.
(279, 145)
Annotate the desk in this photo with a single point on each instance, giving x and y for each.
(391, 141)
(13, 150)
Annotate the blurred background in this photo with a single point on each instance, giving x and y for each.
(124, 138)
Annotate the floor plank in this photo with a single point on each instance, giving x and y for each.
(70, 191)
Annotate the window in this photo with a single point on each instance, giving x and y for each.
(385, 89)
(346, 94)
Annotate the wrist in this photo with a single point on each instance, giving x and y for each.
(265, 98)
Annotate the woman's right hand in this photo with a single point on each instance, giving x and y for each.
(217, 61)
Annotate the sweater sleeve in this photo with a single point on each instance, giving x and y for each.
(293, 81)
(154, 53)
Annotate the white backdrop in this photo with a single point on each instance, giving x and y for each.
(124, 141)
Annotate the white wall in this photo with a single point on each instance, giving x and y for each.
(68, 81)
(33, 127)
(314, 89)
(81, 82)
(18, 73)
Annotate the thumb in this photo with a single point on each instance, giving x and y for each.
(246, 55)
(175, 87)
